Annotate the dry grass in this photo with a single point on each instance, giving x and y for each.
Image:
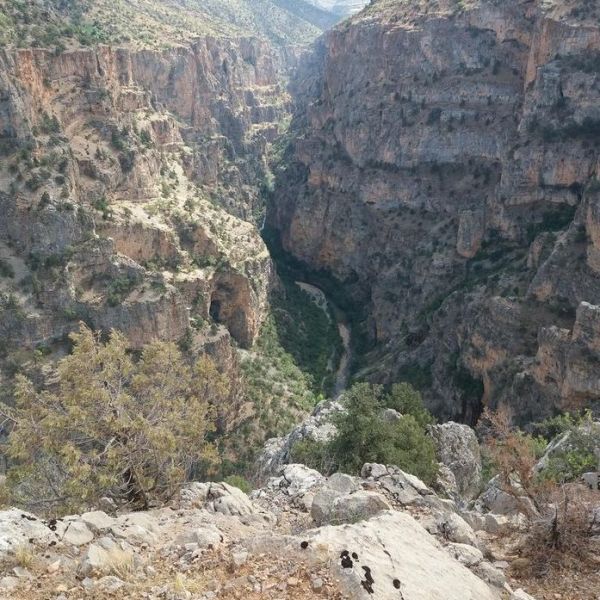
(262, 578)
(120, 563)
(24, 556)
(561, 536)
(564, 584)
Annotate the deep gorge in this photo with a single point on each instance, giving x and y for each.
(436, 175)
(429, 173)
(299, 299)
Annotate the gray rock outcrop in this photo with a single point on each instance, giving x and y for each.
(458, 449)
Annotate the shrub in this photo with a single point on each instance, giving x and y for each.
(576, 456)
(407, 401)
(239, 482)
(364, 436)
(49, 124)
(576, 453)
(102, 205)
(119, 289)
(146, 138)
(559, 515)
(111, 426)
(313, 454)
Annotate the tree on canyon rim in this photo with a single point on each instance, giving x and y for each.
(110, 425)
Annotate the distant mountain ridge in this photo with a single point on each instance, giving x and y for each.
(310, 12)
(341, 8)
(149, 23)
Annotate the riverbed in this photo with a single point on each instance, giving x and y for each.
(342, 373)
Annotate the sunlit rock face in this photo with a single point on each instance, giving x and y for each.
(130, 180)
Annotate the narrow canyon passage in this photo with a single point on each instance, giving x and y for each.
(342, 368)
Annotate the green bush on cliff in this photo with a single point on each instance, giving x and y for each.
(408, 401)
(577, 455)
(364, 435)
(239, 482)
(111, 425)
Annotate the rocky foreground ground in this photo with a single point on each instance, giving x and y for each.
(382, 535)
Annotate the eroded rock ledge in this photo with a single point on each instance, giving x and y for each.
(383, 535)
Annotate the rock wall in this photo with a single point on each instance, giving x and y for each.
(444, 169)
(129, 180)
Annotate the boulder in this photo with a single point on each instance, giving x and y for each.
(495, 577)
(592, 480)
(373, 470)
(390, 415)
(495, 500)
(103, 557)
(98, 521)
(445, 482)
(229, 500)
(331, 507)
(340, 482)
(109, 584)
(136, 528)
(455, 529)
(77, 533)
(490, 522)
(204, 537)
(96, 560)
(391, 556)
(218, 498)
(457, 448)
(18, 527)
(318, 427)
(322, 506)
(404, 487)
(465, 554)
(298, 479)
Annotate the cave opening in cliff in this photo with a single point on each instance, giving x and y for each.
(215, 310)
(471, 392)
(471, 411)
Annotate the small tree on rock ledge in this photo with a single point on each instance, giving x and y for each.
(111, 426)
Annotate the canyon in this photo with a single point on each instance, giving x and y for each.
(432, 166)
(443, 168)
(314, 194)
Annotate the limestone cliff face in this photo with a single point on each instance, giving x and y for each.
(445, 169)
(128, 181)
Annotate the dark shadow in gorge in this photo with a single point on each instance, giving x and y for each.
(345, 308)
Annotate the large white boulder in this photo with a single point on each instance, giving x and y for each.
(391, 556)
(98, 521)
(77, 533)
(18, 528)
(218, 498)
(298, 479)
